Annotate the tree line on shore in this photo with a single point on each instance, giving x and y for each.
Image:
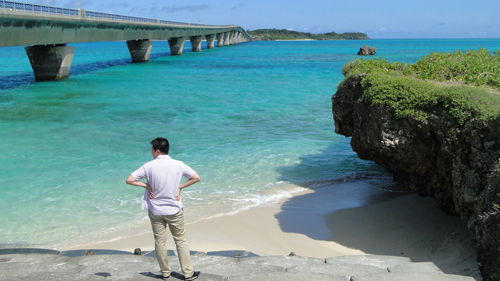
(283, 34)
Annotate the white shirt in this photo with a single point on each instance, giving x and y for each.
(164, 175)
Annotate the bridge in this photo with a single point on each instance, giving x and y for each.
(46, 31)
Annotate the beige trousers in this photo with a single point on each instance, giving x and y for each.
(176, 224)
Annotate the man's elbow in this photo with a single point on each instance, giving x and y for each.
(130, 180)
(196, 178)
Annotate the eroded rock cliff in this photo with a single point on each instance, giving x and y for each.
(455, 164)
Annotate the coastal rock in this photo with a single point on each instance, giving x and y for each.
(455, 164)
(367, 51)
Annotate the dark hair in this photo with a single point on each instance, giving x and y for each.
(161, 144)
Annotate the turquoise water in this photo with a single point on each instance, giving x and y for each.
(254, 120)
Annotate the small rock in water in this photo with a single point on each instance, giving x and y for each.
(138, 251)
(90, 252)
(292, 254)
(367, 51)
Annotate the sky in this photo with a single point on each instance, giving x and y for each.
(379, 19)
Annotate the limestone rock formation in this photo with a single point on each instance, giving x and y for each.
(455, 164)
(367, 51)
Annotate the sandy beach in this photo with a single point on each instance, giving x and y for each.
(330, 221)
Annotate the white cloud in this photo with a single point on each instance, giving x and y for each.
(383, 29)
(291, 28)
(305, 28)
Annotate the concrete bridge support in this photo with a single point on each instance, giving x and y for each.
(140, 49)
(50, 62)
(233, 38)
(220, 39)
(226, 38)
(196, 43)
(176, 44)
(236, 38)
(210, 41)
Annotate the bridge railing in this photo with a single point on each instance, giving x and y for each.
(34, 8)
(104, 16)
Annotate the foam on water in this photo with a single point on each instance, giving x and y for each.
(254, 120)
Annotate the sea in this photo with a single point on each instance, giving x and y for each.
(253, 119)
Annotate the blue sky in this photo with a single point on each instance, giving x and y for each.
(377, 18)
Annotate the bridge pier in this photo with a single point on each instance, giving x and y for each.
(220, 39)
(226, 38)
(50, 62)
(210, 41)
(196, 42)
(176, 44)
(232, 39)
(140, 49)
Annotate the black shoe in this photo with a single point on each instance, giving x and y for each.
(195, 275)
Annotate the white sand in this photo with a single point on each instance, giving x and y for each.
(331, 222)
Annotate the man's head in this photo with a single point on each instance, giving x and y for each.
(160, 144)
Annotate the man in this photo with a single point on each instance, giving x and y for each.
(163, 201)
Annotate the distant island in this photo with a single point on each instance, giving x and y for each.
(283, 34)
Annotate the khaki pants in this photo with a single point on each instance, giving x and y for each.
(176, 224)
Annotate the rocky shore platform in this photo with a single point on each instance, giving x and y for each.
(43, 264)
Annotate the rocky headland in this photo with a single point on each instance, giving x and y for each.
(431, 145)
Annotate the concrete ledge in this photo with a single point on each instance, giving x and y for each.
(415, 267)
(339, 269)
(238, 269)
(412, 277)
(375, 260)
(288, 277)
(111, 259)
(234, 253)
(49, 265)
(283, 261)
(27, 251)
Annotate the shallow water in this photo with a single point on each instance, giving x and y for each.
(254, 120)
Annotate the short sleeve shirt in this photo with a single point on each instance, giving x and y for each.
(164, 175)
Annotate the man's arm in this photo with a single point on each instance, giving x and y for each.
(194, 179)
(132, 181)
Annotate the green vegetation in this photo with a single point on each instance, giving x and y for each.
(406, 88)
(283, 34)
(496, 276)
